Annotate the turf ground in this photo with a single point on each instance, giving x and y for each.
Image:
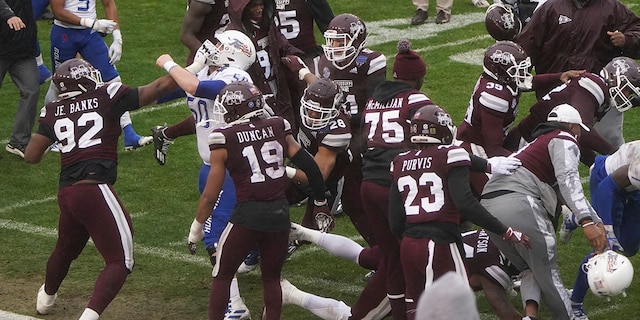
(168, 283)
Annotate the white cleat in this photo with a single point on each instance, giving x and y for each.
(237, 310)
(45, 302)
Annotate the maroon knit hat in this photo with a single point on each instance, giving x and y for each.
(408, 65)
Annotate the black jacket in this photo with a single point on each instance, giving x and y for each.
(17, 44)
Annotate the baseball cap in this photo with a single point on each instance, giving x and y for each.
(566, 113)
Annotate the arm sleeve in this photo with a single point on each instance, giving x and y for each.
(397, 215)
(303, 160)
(468, 205)
(130, 101)
(209, 89)
(565, 157)
(478, 164)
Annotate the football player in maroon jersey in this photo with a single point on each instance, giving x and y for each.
(357, 70)
(86, 124)
(253, 148)
(386, 119)
(428, 197)
(325, 132)
(493, 106)
(617, 86)
(527, 199)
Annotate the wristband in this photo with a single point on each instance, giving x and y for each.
(291, 171)
(168, 65)
(590, 223)
(302, 73)
(319, 203)
(85, 22)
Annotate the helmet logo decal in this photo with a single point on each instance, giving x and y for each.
(79, 71)
(355, 28)
(234, 98)
(620, 65)
(507, 20)
(444, 119)
(503, 57)
(236, 43)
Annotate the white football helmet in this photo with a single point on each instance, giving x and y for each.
(233, 49)
(609, 274)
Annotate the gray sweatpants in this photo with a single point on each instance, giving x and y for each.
(528, 215)
(24, 74)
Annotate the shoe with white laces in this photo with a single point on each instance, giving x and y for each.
(16, 149)
(237, 310)
(290, 294)
(569, 224)
(44, 302)
(250, 263)
(160, 143)
(368, 276)
(578, 312)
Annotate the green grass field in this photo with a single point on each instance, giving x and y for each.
(168, 283)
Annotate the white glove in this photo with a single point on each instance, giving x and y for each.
(115, 50)
(100, 25)
(503, 165)
(195, 234)
(202, 57)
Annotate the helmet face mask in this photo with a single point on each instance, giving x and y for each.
(233, 49)
(506, 62)
(622, 76)
(238, 102)
(431, 125)
(75, 77)
(320, 103)
(345, 37)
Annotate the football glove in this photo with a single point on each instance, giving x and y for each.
(202, 57)
(296, 65)
(503, 165)
(115, 50)
(195, 234)
(322, 216)
(516, 236)
(100, 25)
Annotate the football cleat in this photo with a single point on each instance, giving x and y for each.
(293, 246)
(250, 263)
(368, 276)
(568, 225)
(578, 312)
(160, 143)
(135, 142)
(237, 310)
(45, 302)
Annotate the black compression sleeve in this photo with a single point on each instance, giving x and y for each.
(478, 164)
(303, 160)
(468, 205)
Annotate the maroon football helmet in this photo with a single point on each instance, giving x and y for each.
(75, 77)
(345, 37)
(506, 62)
(501, 22)
(622, 76)
(238, 102)
(320, 103)
(431, 124)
